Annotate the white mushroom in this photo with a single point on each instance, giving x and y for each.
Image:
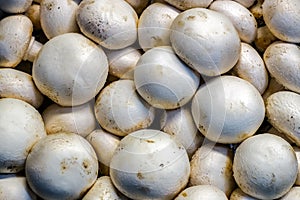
(110, 23)
(212, 165)
(149, 164)
(138, 5)
(163, 80)
(21, 126)
(282, 61)
(15, 6)
(203, 192)
(293, 194)
(251, 67)
(212, 50)
(61, 166)
(238, 194)
(103, 189)
(70, 69)
(187, 4)
(19, 85)
(263, 38)
(16, 41)
(283, 19)
(154, 25)
(228, 109)
(120, 110)
(15, 188)
(297, 151)
(33, 13)
(265, 166)
(242, 19)
(283, 112)
(77, 119)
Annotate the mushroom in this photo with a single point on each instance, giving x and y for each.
(120, 110)
(203, 192)
(228, 109)
(154, 25)
(246, 3)
(180, 125)
(263, 38)
(297, 151)
(163, 80)
(15, 6)
(282, 111)
(19, 85)
(238, 194)
(242, 19)
(218, 43)
(251, 68)
(33, 13)
(21, 126)
(15, 188)
(70, 69)
(138, 5)
(149, 164)
(265, 166)
(122, 62)
(293, 194)
(282, 61)
(58, 17)
(77, 119)
(104, 189)
(61, 166)
(188, 4)
(274, 131)
(16, 41)
(283, 19)
(212, 165)
(110, 23)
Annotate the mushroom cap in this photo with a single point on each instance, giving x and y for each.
(21, 126)
(149, 164)
(265, 166)
(251, 67)
(110, 23)
(15, 34)
(238, 194)
(19, 85)
(187, 4)
(283, 112)
(163, 80)
(33, 13)
(212, 165)
(218, 43)
(58, 17)
(61, 166)
(15, 188)
(70, 69)
(242, 19)
(283, 19)
(203, 192)
(154, 25)
(15, 6)
(120, 110)
(283, 62)
(293, 194)
(77, 119)
(228, 109)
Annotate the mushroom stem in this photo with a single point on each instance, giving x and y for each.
(32, 50)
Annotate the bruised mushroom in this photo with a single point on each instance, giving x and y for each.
(203, 192)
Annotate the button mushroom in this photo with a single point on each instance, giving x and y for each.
(263, 39)
(33, 13)
(149, 164)
(265, 166)
(203, 192)
(238, 194)
(187, 4)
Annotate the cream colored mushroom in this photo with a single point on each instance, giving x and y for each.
(212, 165)
(251, 68)
(263, 38)
(149, 164)
(110, 23)
(238, 194)
(15, 188)
(187, 4)
(21, 126)
(70, 69)
(265, 166)
(61, 166)
(282, 61)
(203, 192)
(77, 119)
(103, 189)
(297, 151)
(242, 19)
(282, 111)
(15, 6)
(19, 85)
(228, 109)
(218, 43)
(154, 25)
(283, 19)
(33, 13)
(293, 194)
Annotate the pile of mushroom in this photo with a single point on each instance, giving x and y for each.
(150, 99)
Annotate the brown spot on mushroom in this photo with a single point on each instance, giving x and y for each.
(150, 141)
(184, 194)
(140, 175)
(49, 6)
(191, 17)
